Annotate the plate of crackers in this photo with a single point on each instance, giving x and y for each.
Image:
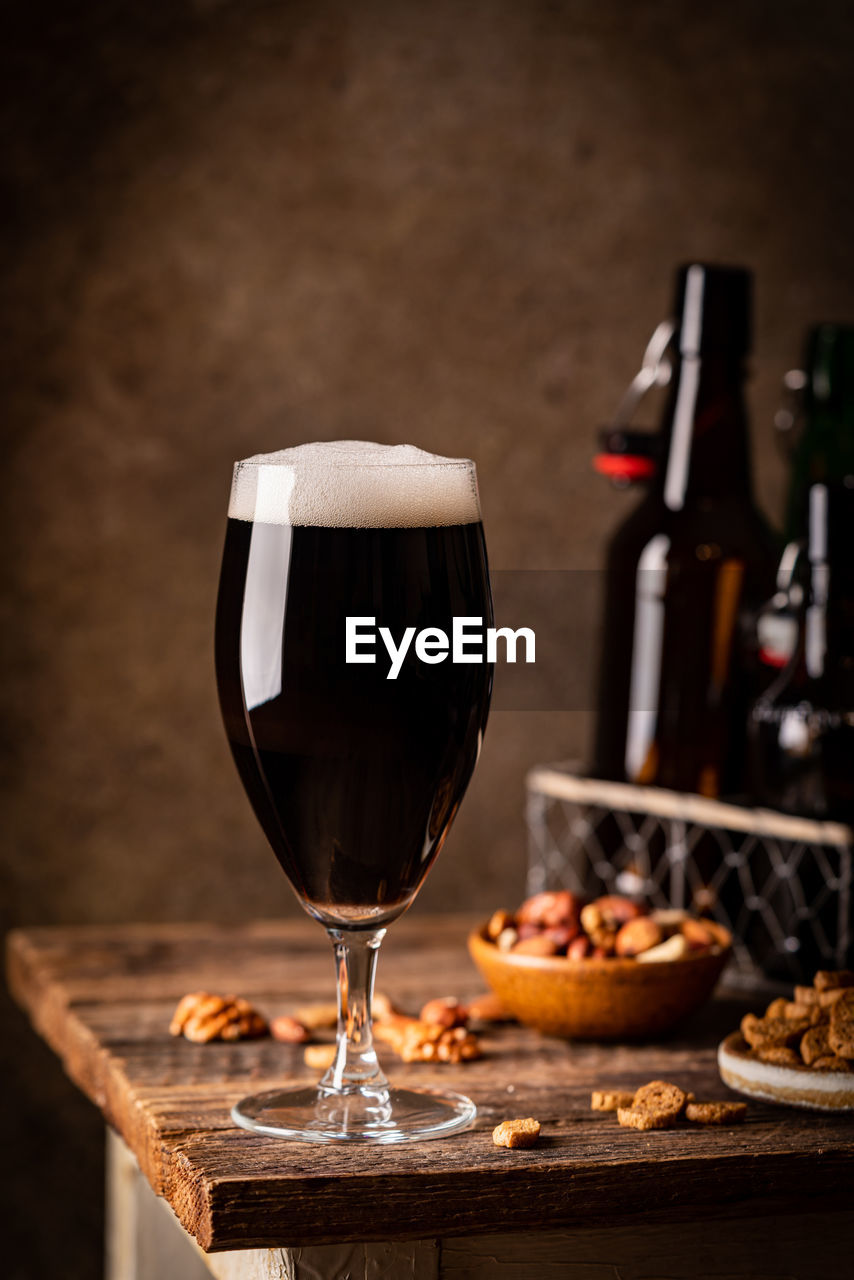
(800, 1052)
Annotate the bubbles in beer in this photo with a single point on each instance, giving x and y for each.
(354, 484)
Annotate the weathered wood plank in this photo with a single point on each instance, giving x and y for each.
(795, 1247)
(144, 1240)
(102, 998)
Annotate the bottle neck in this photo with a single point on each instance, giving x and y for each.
(705, 445)
(826, 642)
(824, 453)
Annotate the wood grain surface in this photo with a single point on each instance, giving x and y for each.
(102, 998)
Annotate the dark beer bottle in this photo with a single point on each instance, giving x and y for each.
(802, 727)
(686, 570)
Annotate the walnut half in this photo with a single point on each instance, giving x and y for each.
(202, 1017)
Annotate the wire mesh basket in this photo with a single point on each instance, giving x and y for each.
(783, 885)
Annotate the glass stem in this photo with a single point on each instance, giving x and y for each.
(355, 1067)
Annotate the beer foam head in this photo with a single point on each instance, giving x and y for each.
(353, 484)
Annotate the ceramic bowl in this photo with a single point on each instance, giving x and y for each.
(598, 999)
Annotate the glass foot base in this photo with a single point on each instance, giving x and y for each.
(384, 1115)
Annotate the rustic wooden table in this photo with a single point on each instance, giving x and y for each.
(770, 1198)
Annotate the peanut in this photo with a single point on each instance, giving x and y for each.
(319, 1057)
(318, 1017)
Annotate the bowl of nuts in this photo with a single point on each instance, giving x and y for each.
(607, 969)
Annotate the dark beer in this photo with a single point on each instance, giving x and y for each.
(354, 777)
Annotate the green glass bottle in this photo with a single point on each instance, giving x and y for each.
(824, 452)
(802, 727)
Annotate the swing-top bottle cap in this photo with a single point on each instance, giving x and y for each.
(713, 308)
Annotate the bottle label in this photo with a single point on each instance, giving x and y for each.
(801, 725)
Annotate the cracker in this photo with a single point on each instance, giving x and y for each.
(833, 1062)
(777, 1008)
(610, 1099)
(815, 1044)
(828, 979)
(516, 1133)
(715, 1112)
(766, 1032)
(641, 1118)
(826, 999)
(841, 1033)
(778, 1055)
(793, 1009)
(661, 1098)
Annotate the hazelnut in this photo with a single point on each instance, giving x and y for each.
(551, 909)
(638, 935)
(288, 1030)
(444, 1012)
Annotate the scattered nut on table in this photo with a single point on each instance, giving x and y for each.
(202, 1016)
(487, 1008)
(318, 1017)
(319, 1057)
(289, 1030)
(516, 1133)
(446, 1011)
(382, 1006)
(417, 1041)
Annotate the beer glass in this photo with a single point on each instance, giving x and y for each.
(354, 748)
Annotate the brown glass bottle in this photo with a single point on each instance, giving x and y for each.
(687, 569)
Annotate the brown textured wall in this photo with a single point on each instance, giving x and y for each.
(235, 226)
